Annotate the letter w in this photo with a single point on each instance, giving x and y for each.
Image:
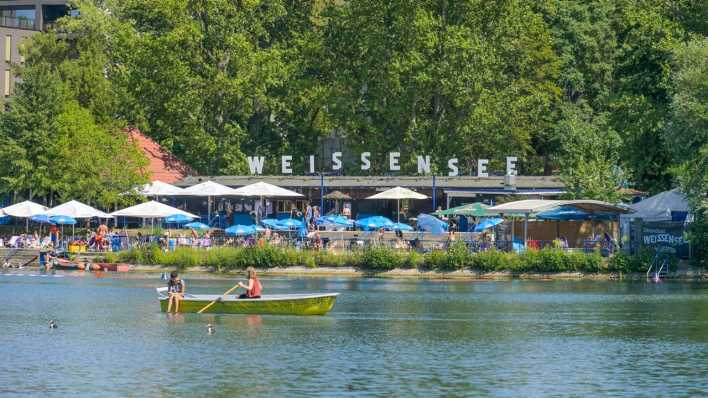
(255, 164)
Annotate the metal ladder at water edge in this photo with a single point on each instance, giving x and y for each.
(659, 267)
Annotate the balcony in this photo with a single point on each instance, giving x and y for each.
(17, 22)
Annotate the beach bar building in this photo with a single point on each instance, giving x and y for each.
(443, 192)
(535, 223)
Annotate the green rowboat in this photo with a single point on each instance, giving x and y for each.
(277, 304)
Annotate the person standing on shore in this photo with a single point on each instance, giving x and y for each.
(315, 215)
(54, 235)
(175, 290)
(308, 215)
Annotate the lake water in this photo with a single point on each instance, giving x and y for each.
(383, 338)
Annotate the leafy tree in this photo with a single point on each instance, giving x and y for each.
(89, 162)
(438, 77)
(25, 131)
(687, 134)
(639, 107)
(62, 129)
(588, 156)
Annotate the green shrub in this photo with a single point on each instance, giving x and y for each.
(492, 260)
(380, 259)
(545, 260)
(435, 259)
(458, 257)
(110, 257)
(622, 262)
(582, 262)
(413, 260)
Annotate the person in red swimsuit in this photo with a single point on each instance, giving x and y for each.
(254, 287)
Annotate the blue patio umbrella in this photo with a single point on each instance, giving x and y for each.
(271, 223)
(62, 220)
(399, 226)
(40, 218)
(178, 219)
(428, 223)
(291, 223)
(196, 225)
(374, 222)
(564, 213)
(335, 220)
(488, 223)
(240, 230)
(5, 220)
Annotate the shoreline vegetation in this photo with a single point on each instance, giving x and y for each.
(456, 262)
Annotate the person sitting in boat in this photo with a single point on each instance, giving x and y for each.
(175, 289)
(254, 287)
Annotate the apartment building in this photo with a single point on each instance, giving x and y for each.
(19, 20)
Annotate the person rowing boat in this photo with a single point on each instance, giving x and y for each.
(254, 287)
(175, 289)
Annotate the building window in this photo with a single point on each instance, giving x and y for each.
(8, 48)
(6, 83)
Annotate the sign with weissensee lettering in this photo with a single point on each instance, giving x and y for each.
(662, 234)
(256, 163)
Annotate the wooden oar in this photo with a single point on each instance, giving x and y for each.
(206, 307)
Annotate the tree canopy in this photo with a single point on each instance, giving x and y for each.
(601, 92)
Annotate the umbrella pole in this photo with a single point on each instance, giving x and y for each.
(398, 210)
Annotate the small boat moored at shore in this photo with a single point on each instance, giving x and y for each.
(275, 304)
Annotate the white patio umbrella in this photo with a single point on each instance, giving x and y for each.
(209, 189)
(159, 188)
(76, 209)
(264, 190)
(24, 209)
(151, 209)
(397, 194)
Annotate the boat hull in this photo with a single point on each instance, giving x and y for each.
(277, 305)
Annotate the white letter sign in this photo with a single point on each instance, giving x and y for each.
(452, 165)
(511, 165)
(312, 164)
(285, 164)
(393, 161)
(365, 162)
(336, 160)
(482, 167)
(423, 164)
(255, 164)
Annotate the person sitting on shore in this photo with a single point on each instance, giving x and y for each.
(254, 287)
(175, 290)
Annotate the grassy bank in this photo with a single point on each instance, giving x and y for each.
(380, 259)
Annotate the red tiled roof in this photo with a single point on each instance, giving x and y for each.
(163, 165)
